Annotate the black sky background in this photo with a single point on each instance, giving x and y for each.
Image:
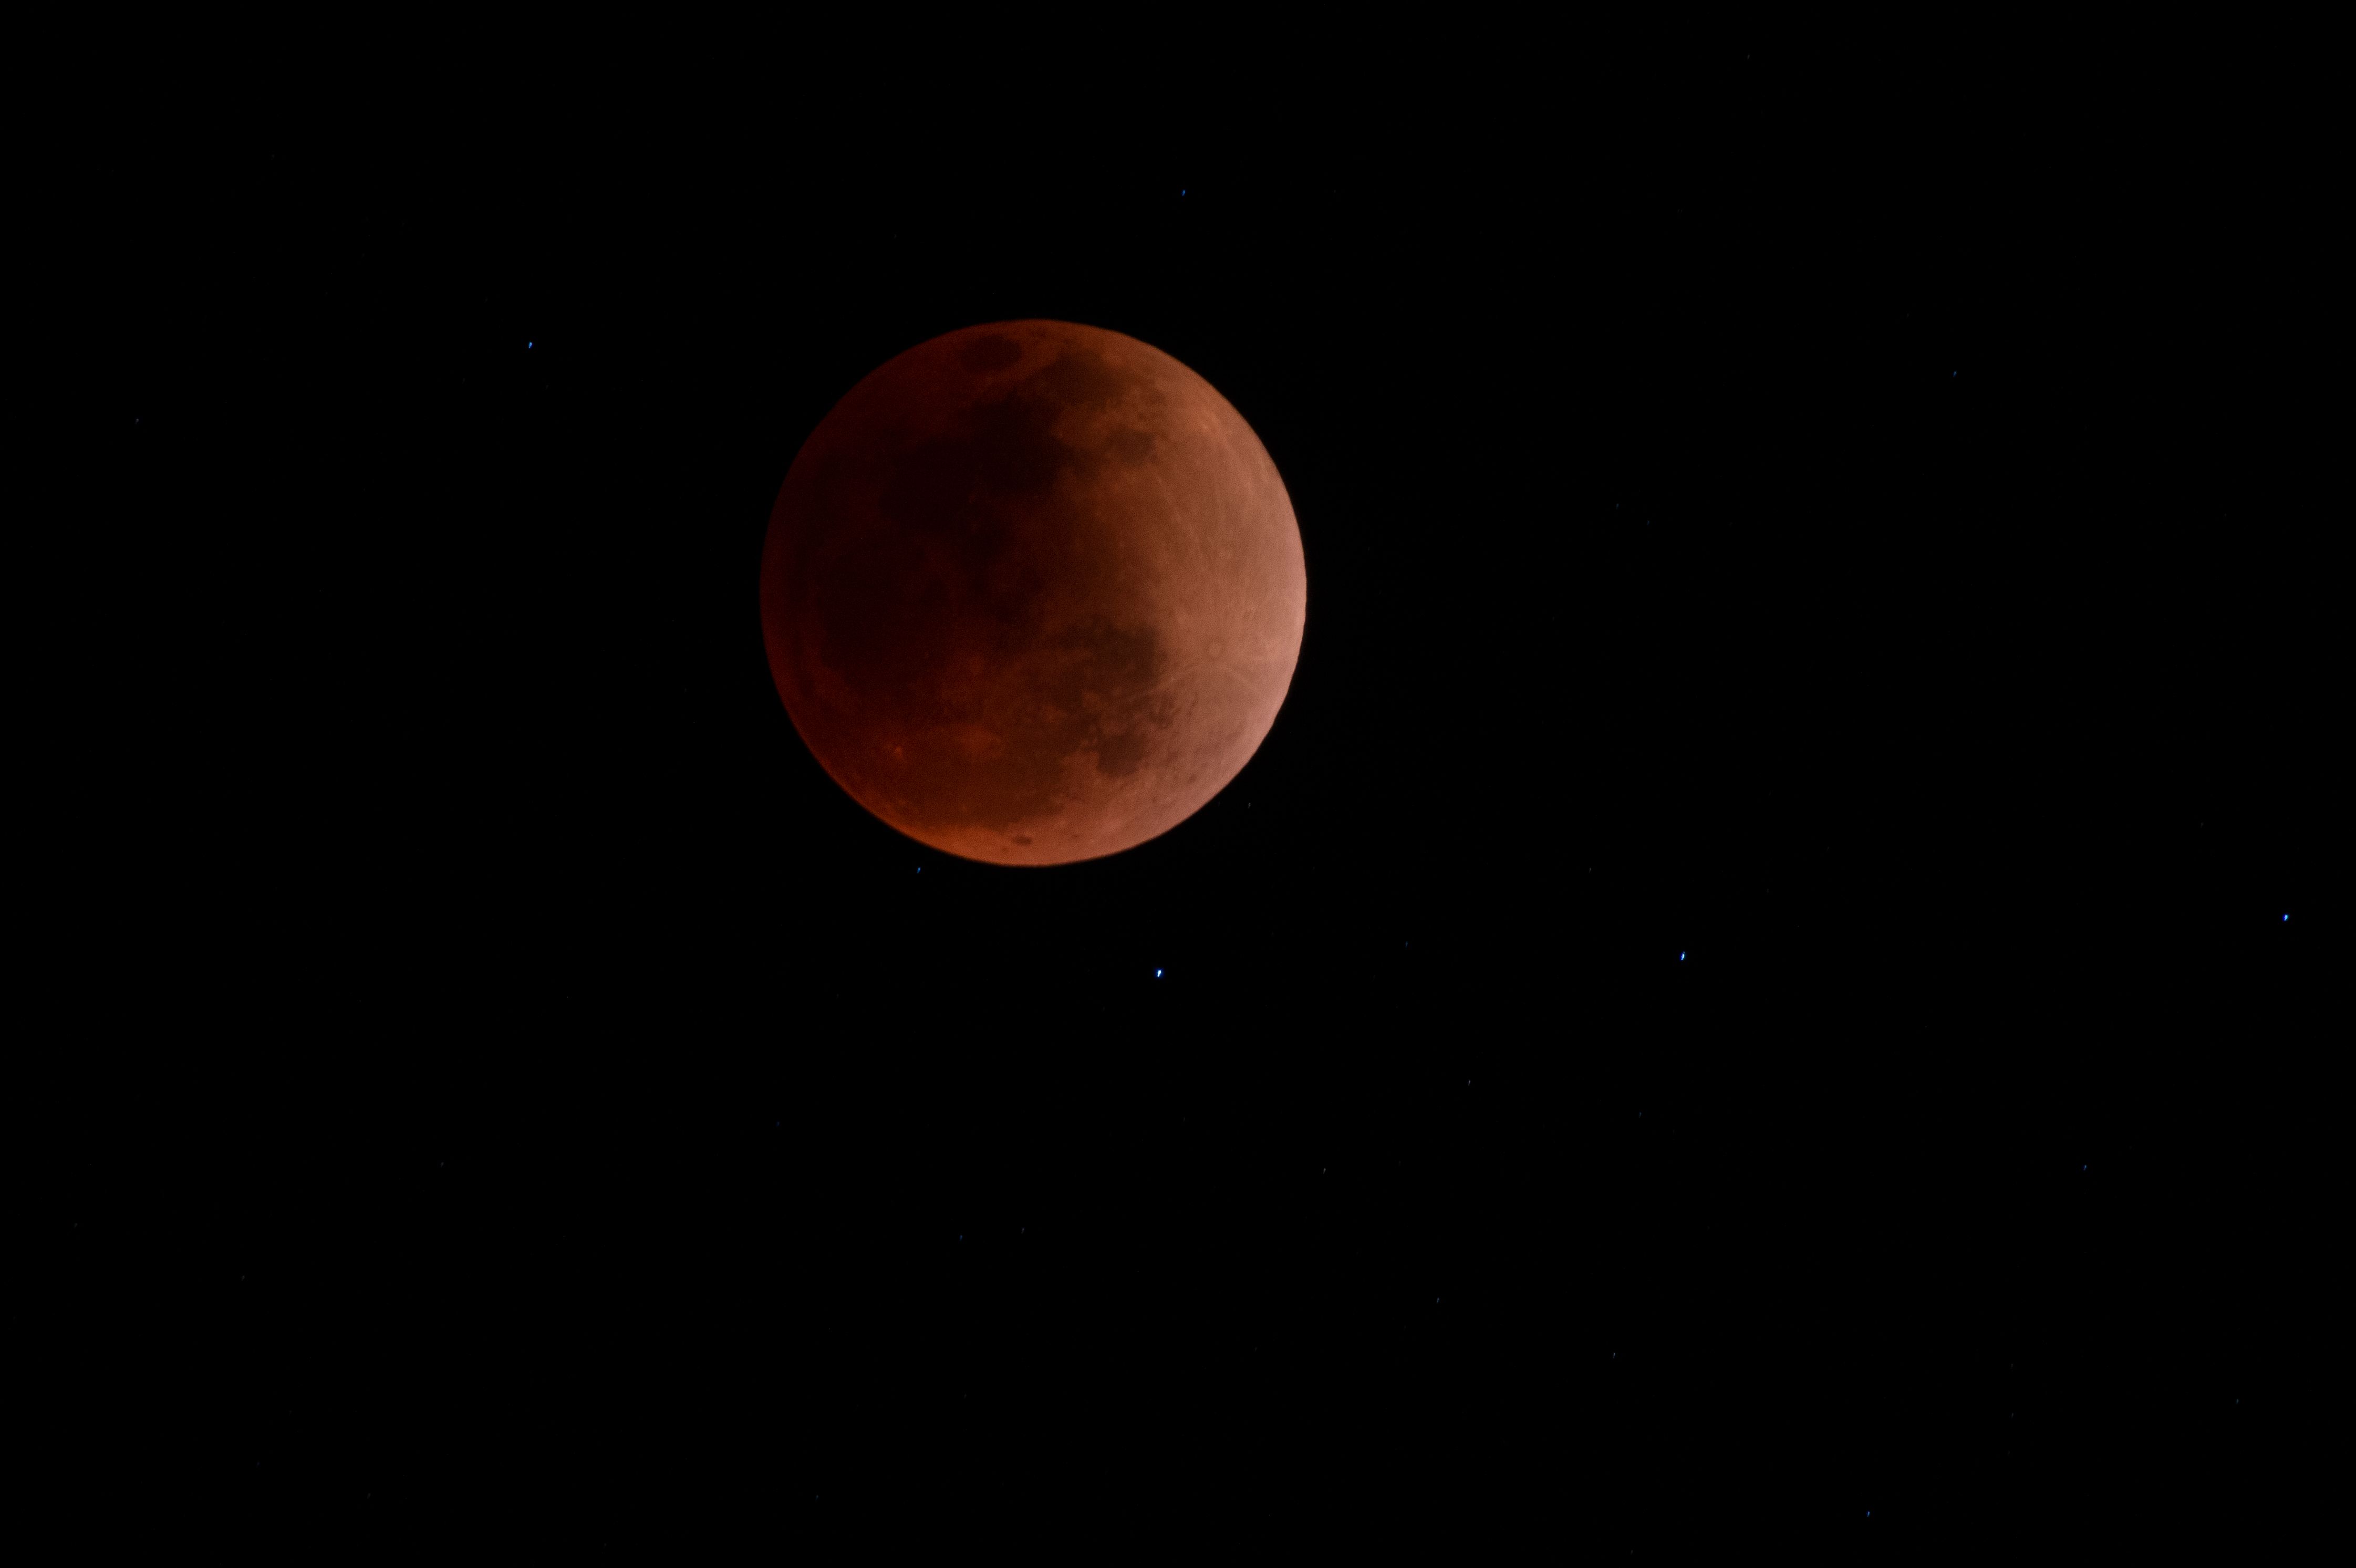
(1748, 985)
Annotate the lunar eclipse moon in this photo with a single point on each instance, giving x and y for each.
(1033, 593)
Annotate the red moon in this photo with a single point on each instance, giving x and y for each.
(1033, 593)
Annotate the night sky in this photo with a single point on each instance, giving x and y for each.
(1767, 978)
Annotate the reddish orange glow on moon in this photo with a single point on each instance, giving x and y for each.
(1033, 593)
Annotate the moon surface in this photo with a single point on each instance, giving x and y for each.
(1033, 593)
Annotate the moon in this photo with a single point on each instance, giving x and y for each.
(1033, 593)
